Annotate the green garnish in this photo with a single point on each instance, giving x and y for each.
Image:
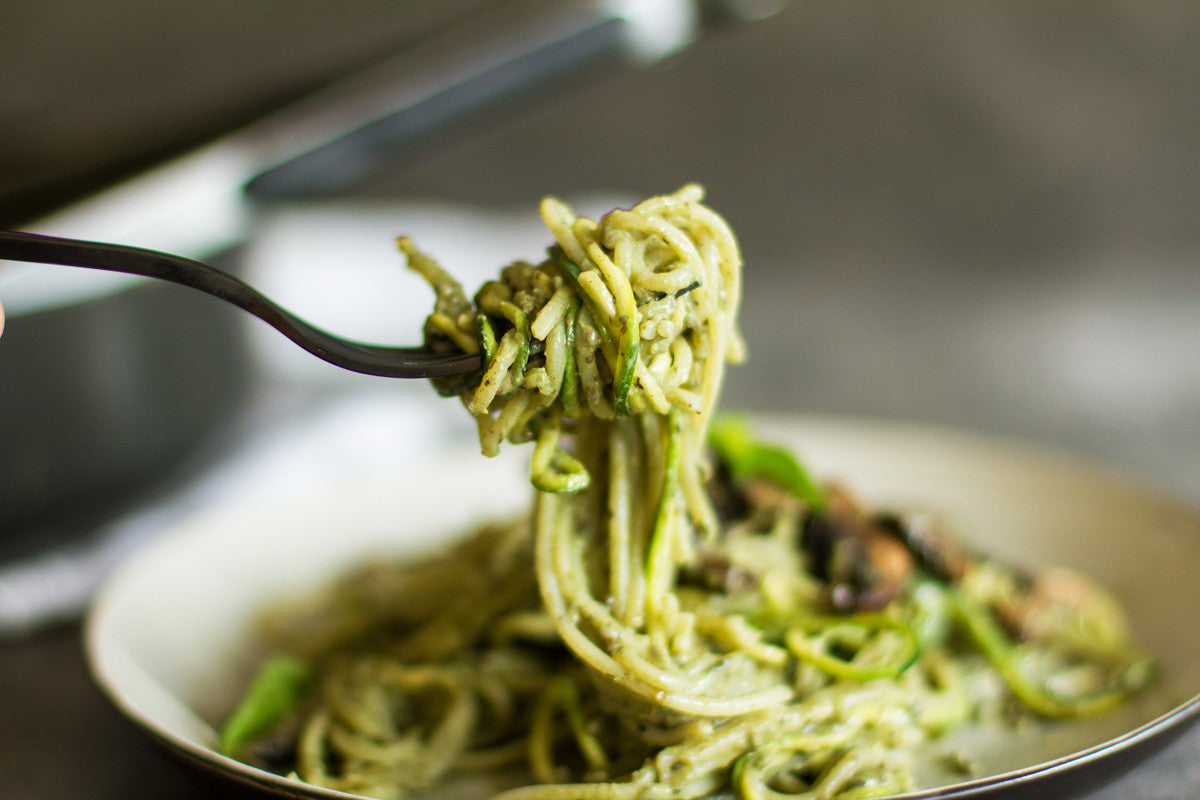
(747, 457)
(276, 691)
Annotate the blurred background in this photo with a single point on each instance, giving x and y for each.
(977, 215)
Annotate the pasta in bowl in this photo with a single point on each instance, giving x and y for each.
(686, 611)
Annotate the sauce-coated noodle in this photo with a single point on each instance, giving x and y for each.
(684, 614)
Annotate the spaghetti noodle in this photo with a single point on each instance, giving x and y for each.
(685, 613)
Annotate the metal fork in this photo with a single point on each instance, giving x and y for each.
(369, 359)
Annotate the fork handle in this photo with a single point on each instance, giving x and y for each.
(392, 362)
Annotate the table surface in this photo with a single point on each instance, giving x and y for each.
(980, 217)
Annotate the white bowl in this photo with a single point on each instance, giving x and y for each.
(171, 637)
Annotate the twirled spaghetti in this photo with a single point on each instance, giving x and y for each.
(685, 613)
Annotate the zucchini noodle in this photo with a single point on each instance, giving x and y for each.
(685, 612)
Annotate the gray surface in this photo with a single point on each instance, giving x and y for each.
(979, 215)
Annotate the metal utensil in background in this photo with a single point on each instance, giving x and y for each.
(104, 396)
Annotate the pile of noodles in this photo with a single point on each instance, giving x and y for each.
(626, 640)
(632, 320)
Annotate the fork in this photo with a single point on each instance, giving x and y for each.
(369, 359)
